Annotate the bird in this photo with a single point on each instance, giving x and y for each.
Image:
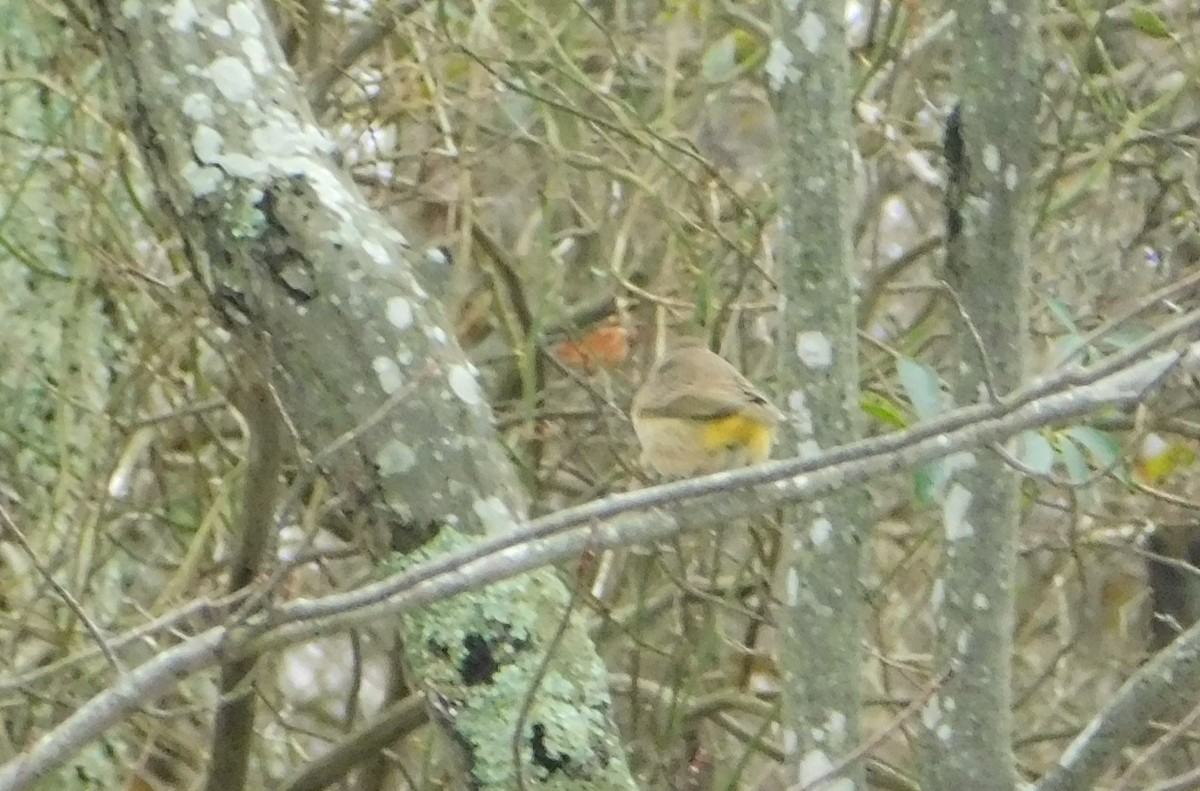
(696, 414)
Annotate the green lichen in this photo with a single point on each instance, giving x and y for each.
(511, 626)
(246, 220)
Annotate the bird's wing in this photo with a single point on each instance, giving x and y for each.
(693, 406)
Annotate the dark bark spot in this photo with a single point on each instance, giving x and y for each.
(277, 249)
(232, 307)
(955, 151)
(479, 665)
(541, 755)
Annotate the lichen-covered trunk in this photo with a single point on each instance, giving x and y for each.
(366, 374)
(990, 144)
(820, 618)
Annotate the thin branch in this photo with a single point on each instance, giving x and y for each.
(922, 697)
(364, 40)
(1147, 692)
(233, 728)
(10, 527)
(391, 724)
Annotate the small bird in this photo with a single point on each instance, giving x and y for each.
(696, 414)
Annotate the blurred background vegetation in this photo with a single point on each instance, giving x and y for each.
(574, 177)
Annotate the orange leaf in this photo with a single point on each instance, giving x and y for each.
(604, 347)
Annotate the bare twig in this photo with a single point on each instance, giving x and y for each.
(391, 724)
(93, 628)
(233, 728)
(366, 38)
(1154, 686)
(923, 695)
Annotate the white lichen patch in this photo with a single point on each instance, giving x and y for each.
(202, 180)
(245, 166)
(198, 107)
(991, 158)
(822, 529)
(464, 385)
(814, 349)
(494, 515)
(282, 136)
(232, 78)
(395, 457)
(860, 22)
(244, 20)
(931, 713)
(181, 15)
(207, 144)
(377, 252)
(808, 448)
(256, 53)
(954, 513)
(779, 68)
(790, 741)
(792, 587)
(812, 32)
(332, 193)
(816, 766)
(400, 313)
(937, 595)
(435, 256)
(800, 415)
(835, 727)
(388, 372)
(980, 602)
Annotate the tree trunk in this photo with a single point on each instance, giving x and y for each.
(366, 373)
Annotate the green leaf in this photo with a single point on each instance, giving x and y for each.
(923, 388)
(1063, 313)
(1037, 453)
(923, 482)
(1069, 344)
(883, 409)
(1103, 448)
(720, 60)
(1077, 468)
(1125, 337)
(1149, 23)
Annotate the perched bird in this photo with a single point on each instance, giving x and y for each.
(696, 414)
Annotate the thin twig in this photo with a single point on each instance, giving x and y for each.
(93, 628)
(924, 694)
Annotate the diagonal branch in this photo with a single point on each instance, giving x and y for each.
(620, 521)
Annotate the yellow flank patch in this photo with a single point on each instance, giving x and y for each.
(738, 431)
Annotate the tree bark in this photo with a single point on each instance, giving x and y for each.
(990, 144)
(818, 354)
(366, 372)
